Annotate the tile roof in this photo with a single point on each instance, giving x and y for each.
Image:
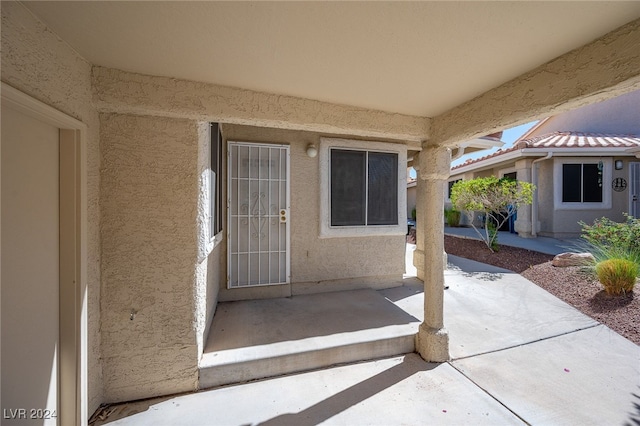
(560, 140)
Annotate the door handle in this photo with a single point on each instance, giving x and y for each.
(634, 198)
(283, 215)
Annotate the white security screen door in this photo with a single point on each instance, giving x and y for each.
(634, 189)
(258, 230)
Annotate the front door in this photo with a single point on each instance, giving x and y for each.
(258, 213)
(30, 270)
(634, 189)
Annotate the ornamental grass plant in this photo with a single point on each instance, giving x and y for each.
(616, 249)
(618, 276)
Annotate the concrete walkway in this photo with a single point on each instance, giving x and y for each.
(519, 356)
(540, 244)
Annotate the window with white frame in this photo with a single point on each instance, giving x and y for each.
(581, 184)
(362, 188)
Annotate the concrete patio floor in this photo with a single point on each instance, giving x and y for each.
(519, 356)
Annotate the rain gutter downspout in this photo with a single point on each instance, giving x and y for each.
(534, 201)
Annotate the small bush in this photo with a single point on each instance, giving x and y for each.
(452, 216)
(618, 276)
(608, 234)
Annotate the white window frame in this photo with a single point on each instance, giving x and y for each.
(328, 231)
(607, 167)
(506, 171)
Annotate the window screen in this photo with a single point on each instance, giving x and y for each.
(581, 183)
(364, 188)
(591, 183)
(571, 183)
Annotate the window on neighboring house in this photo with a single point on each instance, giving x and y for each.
(582, 183)
(215, 181)
(364, 188)
(451, 183)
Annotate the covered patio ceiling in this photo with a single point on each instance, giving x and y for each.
(413, 58)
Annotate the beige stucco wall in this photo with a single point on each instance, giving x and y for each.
(319, 264)
(600, 70)
(151, 263)
(564, 223)
(617, 116)
(36, 62)
(125, 92)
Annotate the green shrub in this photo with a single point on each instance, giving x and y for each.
(452, 216)
(413, 213)
(496, 199)
(607, 234)
(618, 276)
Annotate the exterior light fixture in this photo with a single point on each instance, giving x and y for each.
(618, 164)
(312, 151)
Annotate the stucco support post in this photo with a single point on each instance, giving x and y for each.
(432, 340)
(523, 221)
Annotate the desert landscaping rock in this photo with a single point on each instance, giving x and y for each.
(564, 260)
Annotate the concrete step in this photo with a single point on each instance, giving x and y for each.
(256, 339)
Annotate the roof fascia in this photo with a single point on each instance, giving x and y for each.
(485, 164)
(582, 152)
(541, 152)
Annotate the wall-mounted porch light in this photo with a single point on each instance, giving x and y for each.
(312, 151)
(618, 164)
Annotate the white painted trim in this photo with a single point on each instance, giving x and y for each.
(327, 231)
(557, 187)
(76, 135)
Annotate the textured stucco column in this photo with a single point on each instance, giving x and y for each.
(523, 221)
(432, 341)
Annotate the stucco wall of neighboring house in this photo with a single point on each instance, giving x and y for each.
(565, 221)
(554, 221)
(319, 264)
(545, 185)
(617, 116)
(36, 62)
(411, 198)
(151, 259)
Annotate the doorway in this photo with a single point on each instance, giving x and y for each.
(258, 205)
(43, 284)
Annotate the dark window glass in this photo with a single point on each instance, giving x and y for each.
(571, 183)
(215, 189)
(591, 183)
(453, 182)
(348, 187)
(382, 200)
(364, 188)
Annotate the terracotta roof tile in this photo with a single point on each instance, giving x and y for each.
(559, 140)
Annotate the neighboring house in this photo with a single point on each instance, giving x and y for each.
(474, 145)
(585, 164)
(177, 189)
